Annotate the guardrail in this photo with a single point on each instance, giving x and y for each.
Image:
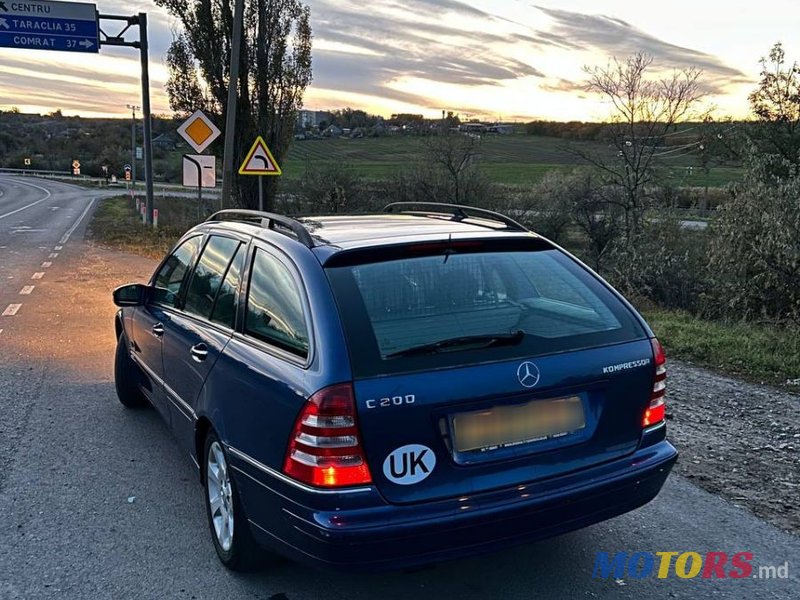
(40, 173)
(162, 189)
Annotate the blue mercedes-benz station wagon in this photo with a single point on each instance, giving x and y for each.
(382, 391)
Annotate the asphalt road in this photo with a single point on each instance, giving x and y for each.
(96, 501)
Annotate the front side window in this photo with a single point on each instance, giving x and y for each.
(275, 307)
(172, 273)
(208, 275)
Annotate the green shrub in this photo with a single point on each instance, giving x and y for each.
(755, 246)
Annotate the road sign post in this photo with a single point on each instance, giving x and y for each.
(196, 163)
(199, 131)
(46, 25)
(259, 161)
(199, 170)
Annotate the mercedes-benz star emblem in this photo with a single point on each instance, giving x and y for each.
(528, 374)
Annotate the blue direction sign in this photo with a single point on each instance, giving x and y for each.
(46, 25)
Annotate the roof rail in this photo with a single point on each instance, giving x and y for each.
(267, 220)
(458, 212)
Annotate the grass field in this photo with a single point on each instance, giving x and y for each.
(764, 354)
(513, 159)
(116, 224)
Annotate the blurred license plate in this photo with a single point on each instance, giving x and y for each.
(504, 426)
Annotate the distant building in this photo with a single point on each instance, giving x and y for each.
(166, 141)
(472, 128)
(310, 119)
(333, 131)
(502, 129)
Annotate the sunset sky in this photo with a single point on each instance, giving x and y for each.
(498, 59)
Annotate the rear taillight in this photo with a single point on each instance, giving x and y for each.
(655, 411)
(325, 448)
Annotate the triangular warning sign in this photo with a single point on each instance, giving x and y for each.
(259, 161)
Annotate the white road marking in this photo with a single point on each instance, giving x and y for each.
(58, 247)
(37, 276)
(11, 310)
(13, 212)
(47, 264)
(26, 291)
(53, 255)
(1, 331)
(72, 229)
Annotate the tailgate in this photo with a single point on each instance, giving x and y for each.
(454, 432)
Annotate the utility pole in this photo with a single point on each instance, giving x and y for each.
(133, 108)
(233, 97)
(148, 124)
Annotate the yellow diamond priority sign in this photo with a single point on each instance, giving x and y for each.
(199, 131)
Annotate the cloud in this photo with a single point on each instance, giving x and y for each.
(417, 39)
(378, 50)
(616, 37)
(563, 85)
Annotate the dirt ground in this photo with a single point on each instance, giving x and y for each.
(738, 440)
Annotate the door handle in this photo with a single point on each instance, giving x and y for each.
(158, 329)
(199, 352)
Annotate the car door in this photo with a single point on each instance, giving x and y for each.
(196, 334)
(149, 321)
(269, 354)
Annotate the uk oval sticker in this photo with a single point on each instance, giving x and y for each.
(409, 464)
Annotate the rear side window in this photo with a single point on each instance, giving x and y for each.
(274, 306)
(170, 276)
(208, 275)
(542, 299)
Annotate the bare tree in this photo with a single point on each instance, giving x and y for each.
(453, 176)
(645, 110)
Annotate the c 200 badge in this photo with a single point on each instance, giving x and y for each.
(409, 464)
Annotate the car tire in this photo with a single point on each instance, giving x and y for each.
(128, 392)
(230, 531)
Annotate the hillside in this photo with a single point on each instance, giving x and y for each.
(53, 141)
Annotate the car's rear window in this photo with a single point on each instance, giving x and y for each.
(549, 302)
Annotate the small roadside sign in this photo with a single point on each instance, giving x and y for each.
(139, 153)
(193, 163)
(27, 162)
(76, 164)
(127, 172)
(259, 161)
(199, 131)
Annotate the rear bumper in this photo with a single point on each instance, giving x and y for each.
(360, 531)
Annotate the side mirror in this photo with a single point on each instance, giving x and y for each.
(133, 294)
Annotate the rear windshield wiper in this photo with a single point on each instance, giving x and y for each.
(483, 341)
